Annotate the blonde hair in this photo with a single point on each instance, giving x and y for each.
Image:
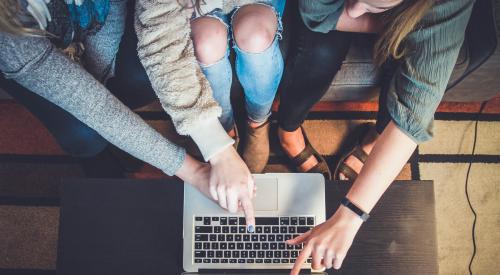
(398, 22)
(9, 20)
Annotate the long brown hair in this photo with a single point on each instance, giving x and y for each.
(398, 22)
(9, 19)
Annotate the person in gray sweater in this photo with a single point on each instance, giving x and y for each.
(40, 42)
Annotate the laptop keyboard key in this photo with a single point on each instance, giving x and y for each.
(276, 261)
(200, 254)
(223, 221)
(201, 237)
(310, 221)
(302, 229)
(233, 221)
(198, 219)
(202, 229)
(284, 221)
(210, 254)
(302, 220)
(218, 253)
(266, 221)
(294, 221)
(206, 261)
(241, 221)
(197, 261)
(206, 220)
(197, 245)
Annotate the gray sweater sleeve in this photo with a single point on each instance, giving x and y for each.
(34, 63)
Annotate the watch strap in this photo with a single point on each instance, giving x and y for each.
(362, 214)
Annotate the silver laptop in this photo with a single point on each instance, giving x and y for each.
(286, 205)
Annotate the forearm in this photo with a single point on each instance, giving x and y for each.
(367, 23)
(387, 158)
(69, 86)
(166, 51)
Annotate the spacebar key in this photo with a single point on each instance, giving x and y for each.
(267, 221)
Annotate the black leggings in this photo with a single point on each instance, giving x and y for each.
(313, 60)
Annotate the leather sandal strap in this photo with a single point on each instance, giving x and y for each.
(347, 171)
(360, 154)
(322, 168)
(303, 156)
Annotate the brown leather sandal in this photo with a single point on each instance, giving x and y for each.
(321, 167)
(356, 150)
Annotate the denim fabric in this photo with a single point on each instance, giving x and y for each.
(258, 73)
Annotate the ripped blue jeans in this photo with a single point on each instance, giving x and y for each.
(258, 73)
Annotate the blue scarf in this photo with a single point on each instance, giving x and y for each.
(69, 20)
(87, 14)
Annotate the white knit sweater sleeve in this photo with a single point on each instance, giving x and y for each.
(166, 51)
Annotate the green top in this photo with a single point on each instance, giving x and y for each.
(421, 77)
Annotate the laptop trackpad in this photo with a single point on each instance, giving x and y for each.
(267, 195)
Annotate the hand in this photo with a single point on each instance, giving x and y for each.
(232, 185)
(195, 173)
(328, 242)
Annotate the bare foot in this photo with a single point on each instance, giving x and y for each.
(293, 143)
(367, 145)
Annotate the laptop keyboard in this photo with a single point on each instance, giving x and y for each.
(225, 240)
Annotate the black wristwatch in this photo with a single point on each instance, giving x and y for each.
(362, 214)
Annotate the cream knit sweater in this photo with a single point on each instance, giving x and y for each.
(166, 52)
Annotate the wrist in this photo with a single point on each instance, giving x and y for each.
(222, 156)
(189, 169)
(346, 215)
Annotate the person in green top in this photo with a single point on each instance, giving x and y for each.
(421, 40)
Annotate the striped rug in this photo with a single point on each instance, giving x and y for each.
(32, 165)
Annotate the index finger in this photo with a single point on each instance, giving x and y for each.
(304, 254)
(247, 205)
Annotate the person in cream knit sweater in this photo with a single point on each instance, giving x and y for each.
(36, 61)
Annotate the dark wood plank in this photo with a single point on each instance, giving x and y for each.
(399, 238)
